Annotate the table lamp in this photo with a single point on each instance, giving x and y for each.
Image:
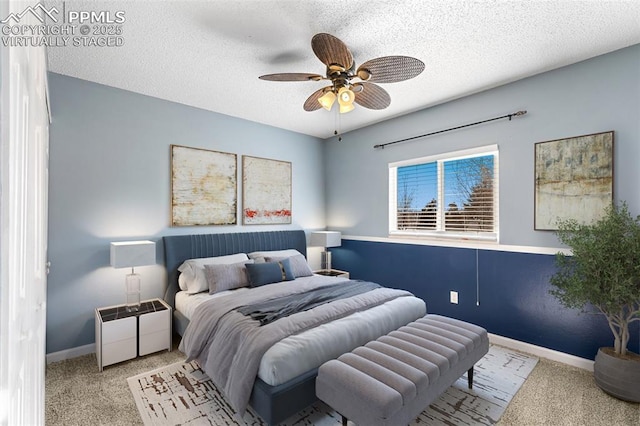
(326, 239)
(129, 254)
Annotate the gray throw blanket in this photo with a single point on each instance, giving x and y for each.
(272, 310)
(229, 345)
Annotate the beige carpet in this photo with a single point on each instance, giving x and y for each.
(554, 394)
(557, 394)
(182, 393)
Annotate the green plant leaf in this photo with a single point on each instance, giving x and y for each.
(603, 270)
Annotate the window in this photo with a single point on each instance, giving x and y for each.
(452, 195)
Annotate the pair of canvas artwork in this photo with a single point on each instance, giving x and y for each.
(204, 188)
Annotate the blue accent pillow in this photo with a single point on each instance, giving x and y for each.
(269, 272)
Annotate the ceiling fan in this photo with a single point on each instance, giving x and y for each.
(348, 84)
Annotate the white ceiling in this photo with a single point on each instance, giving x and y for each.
(209, 54)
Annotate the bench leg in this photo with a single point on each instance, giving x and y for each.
(344, 421)
(470, 377)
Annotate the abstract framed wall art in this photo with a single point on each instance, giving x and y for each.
(573, 179)
(266, 191)
(204, 187)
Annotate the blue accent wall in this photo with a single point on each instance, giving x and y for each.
(597, 95)
(512, 291)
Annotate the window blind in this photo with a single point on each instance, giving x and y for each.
(455, 196)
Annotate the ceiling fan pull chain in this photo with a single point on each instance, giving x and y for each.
(336, 121)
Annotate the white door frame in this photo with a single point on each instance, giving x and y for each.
(24, 151)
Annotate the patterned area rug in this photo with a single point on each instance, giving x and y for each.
(181, 394)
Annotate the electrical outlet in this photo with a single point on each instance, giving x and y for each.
(453, 296)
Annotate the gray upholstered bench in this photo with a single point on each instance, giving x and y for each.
(393, 379)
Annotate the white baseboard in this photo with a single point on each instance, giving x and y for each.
(539, 351)
(493, 338)
(71, 353)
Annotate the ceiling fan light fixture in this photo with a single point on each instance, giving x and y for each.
(345, 99)
(327, 100)
(345, 95)
(346, 108)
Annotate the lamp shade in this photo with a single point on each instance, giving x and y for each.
(345, 99)
(327, 100)
(346, 108)
(326, 239)
(127, 254)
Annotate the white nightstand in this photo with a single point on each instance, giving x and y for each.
(332, 273)
(122, 335)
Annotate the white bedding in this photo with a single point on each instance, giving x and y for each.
(300, 353)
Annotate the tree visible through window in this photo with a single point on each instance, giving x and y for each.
(455, 195)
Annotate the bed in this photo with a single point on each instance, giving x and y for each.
(274, 397)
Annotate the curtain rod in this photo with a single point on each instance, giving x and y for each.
(509, 116)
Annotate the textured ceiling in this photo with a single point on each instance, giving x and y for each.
(209, 54)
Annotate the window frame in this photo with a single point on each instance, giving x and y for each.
(440, 232)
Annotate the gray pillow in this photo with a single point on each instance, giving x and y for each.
(192, 278)
(226, 277)
(299, 265)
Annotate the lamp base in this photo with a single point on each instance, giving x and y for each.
(132, 289)
(325, 260)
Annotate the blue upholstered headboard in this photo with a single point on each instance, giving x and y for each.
(178, 248)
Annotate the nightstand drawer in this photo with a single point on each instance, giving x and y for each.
(118, 351)
(154, 332)
(155, 321)
(122, 329)
(154, 342)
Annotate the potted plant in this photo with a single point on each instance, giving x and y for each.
(603, 275)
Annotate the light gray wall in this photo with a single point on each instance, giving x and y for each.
(593, 96)
(110, 181)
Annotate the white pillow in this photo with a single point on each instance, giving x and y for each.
(192, 278)
(274, 253)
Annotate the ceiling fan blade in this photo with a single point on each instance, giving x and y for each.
(331, 50)
(312, 104)
(390, 69)
(291, 76)
(371, 96)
